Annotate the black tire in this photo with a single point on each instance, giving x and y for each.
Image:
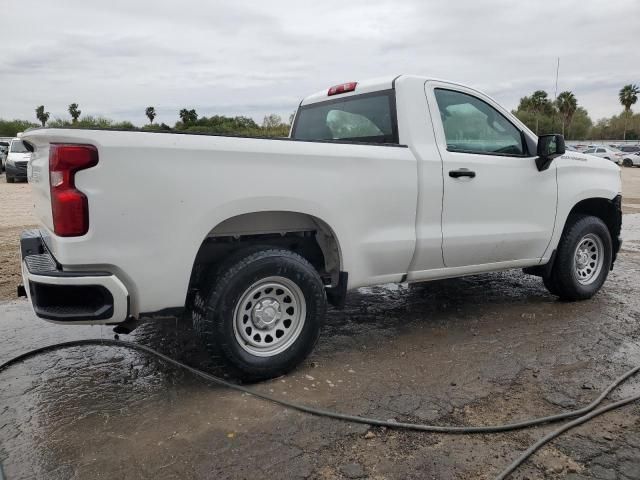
(627, 162)
(563, 280)
(10, 179)
(214, 312)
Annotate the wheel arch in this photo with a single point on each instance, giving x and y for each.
(303, 233)
(607, 210)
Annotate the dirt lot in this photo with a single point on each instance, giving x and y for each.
(479, 350)
(15, 216)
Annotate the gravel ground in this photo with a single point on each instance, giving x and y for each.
(475, 351)
(15, 215)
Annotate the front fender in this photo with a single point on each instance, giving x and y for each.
(581, 177)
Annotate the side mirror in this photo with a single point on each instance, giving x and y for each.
(549, 147)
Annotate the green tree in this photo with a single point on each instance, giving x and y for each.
(628, 95)
(74, 112)
(150, 112)
(271, 121)
(580, 126)
(188, 116)
(566, 104)
(537, 104)
(10, 128)
(42, 116)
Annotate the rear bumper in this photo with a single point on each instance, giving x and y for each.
(62, 296)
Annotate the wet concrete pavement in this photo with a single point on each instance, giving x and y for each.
(480, 350)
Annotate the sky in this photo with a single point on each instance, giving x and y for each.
(115, 58)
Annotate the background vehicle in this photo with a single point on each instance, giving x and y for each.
(389, 180)
(4, 150)
(631, 159)
(606, 152)
(17, 160)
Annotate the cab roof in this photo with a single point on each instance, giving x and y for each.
(365, 86)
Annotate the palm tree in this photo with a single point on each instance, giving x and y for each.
(536, 104)
(188, 116)
(42, 115)
(566, 104)
(74, 112)
(628, 96)
(151, 114)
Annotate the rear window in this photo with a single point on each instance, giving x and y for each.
(360, 118)
(18, 147)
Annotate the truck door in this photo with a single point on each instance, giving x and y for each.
(497, 207)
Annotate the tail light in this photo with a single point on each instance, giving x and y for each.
(69, 206)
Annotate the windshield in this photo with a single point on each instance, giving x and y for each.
(18, 147)
(359, 118)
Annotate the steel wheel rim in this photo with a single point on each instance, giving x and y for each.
(588, 259)
(269, 316)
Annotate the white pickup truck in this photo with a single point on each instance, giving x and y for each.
(402, 179)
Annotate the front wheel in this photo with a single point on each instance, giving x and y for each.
(10, 179)
(263, 312)
(583, 259)
(627, 162)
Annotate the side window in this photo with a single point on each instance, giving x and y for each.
(590, 150)
(473, 126)
(601, 150)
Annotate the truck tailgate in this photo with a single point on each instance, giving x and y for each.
(38, 175)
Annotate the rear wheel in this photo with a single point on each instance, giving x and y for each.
(263, 312)
(627, 162)
(583, 259)
(10, 179)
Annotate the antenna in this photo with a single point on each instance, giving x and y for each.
(555, 95)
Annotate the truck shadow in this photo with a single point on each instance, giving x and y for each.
(384, 310)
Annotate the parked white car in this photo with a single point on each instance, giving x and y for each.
(16, 163)
(607, 153)
(631, 159)
(401, 179)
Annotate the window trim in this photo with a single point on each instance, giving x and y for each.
(525, 146)
(391, 98)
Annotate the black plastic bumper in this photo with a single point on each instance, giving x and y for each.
(17, 170)
(617, 227)
(53, 300)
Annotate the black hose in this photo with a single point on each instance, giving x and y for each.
(584, 414)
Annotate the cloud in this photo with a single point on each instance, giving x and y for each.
(254, 58)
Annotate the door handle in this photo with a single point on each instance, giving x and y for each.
(463, 172)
